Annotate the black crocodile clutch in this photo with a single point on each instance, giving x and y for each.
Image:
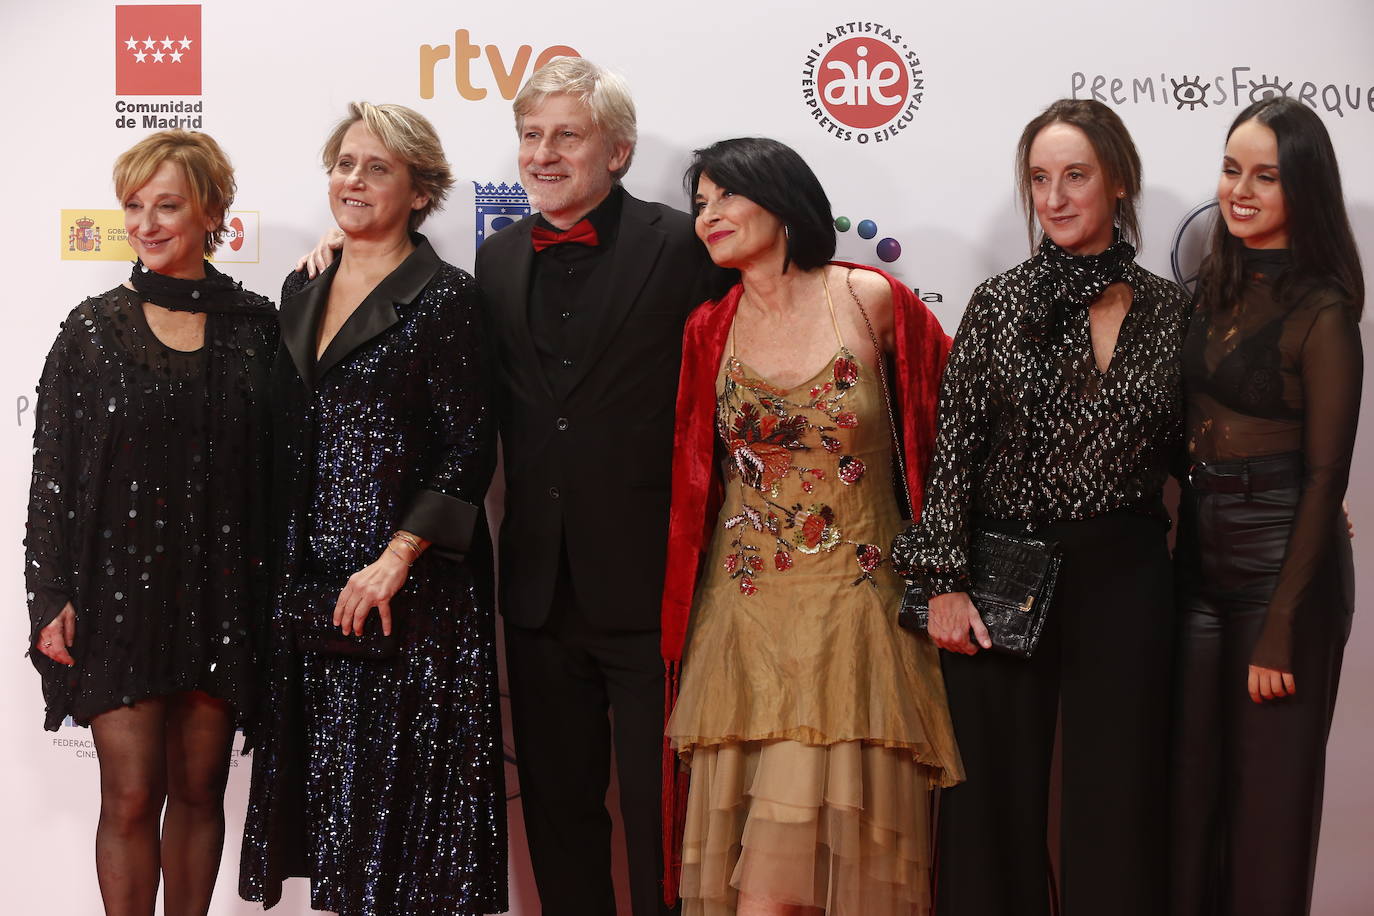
(1012, 585)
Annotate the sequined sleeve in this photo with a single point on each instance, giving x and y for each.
(47, 542)
(934, 552)
(446, 508)
(1332, 373)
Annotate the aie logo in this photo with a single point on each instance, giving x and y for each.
(863, 82)
(1190, 244)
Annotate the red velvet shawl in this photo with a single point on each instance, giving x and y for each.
(922, 347)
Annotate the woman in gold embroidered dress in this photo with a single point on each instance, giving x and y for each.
(814, 728)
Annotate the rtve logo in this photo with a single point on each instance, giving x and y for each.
(863, 82)
(508, 77)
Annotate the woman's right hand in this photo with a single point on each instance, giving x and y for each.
(952, 615)
(322, 256)
(58, 635)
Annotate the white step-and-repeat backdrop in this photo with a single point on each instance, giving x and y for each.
(915, 151)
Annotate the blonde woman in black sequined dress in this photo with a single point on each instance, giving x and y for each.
(146, 527)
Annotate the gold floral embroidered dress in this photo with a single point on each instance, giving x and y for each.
(813, 725)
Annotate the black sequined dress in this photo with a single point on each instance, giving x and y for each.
(382, 780)
(147, 505)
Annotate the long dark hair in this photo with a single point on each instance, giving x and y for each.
(1321, 244)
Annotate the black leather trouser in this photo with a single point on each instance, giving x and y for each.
(1103, 664)
(1247, 779)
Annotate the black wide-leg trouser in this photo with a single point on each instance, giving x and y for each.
(1104, 660)
(1248, 778)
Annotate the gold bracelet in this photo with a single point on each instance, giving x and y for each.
(408, 538)
(399, 557)
(413, 549)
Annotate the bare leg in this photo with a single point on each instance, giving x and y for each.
(133, 786)
(200, 731)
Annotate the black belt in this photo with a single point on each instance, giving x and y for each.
(1248, 475)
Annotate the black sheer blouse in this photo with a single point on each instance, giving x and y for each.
(1029, 429)
(1272, 376)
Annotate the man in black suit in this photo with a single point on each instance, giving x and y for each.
(586, 302)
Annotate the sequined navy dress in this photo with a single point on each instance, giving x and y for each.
(381, 779)
(147, 504)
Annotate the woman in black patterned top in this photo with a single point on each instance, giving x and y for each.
(1059, 412)
(1273, 369)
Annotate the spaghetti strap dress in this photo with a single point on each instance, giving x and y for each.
(814, 727)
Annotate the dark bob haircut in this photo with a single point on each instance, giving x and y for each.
(1320, 241)
(1115, 150)
(772, 175)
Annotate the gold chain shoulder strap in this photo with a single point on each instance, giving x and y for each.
(882, 383)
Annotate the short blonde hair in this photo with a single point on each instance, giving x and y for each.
(408, 135)
(202, 162)
(606, 95)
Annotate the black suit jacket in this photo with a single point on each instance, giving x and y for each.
(591, 470)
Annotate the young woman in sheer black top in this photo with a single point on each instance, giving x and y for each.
(1273, 368)
(1060, 409)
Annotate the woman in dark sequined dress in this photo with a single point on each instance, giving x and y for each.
(1060, 409)
(147, 523)
(379, 774)
(1272, 368)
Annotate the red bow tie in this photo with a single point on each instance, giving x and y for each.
(583, 233)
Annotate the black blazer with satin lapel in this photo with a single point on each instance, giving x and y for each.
(391, 429)
(592, 471)
(420, 285)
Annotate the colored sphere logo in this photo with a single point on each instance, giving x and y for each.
(863, 83)
(888, 249)
(236, 233)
